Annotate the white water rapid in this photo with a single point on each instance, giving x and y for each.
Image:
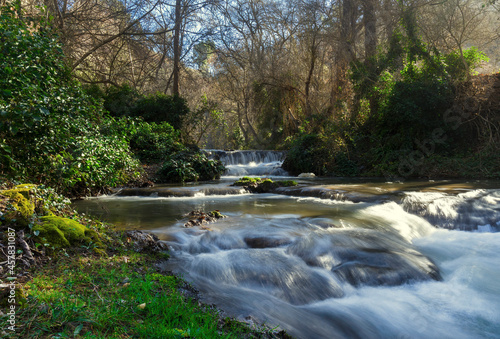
(335, 259)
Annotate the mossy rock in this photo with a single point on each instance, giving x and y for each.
(245, 181)
(266, 185)
(63, 232)
(216, 214)
(24, 208)
(287, 183)
(26, 186)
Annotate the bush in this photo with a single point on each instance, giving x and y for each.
(460, 68)
(309, 153)
(120, 101)
(190, 166)
(159, 107)
(152, 142)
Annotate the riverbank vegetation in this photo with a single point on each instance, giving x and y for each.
(74, 276)
(349, 87)
(54, 133)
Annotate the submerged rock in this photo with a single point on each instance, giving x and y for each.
(266, 242)
(200, 218)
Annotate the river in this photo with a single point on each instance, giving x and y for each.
(333, 257)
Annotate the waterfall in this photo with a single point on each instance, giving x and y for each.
(251, 163)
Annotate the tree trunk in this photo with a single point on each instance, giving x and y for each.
(345, 52)
(177, 51)
(310, 75)
(370, 25)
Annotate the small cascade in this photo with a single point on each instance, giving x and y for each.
(251, 163)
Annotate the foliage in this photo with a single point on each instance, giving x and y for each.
(401, 96)
(152, 142)
(461, 66)
(160, 107)
(120, 101)
(309, 153)
(188, 165)
(48, 124)
(205, 123)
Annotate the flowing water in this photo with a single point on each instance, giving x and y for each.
(332, 258)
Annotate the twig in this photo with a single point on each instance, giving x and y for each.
(95, 290)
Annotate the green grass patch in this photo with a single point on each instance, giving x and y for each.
(114, 297)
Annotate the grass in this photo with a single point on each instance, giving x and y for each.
(120, 296)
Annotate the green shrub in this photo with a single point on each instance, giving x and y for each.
(152, 142)
(160, 107)
(190, 166)
(120, 101)
(309, 153)
(460, 67)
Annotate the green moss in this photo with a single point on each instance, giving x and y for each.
(63, 232)
(245, 181)
(266, 185)
(287, 183)
(26, 186)
(20, 200)
(216, 214)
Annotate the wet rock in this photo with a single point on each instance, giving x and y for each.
(266, 242)
(145, 242)
(266, 185)
(362, 257)
(200, 218)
